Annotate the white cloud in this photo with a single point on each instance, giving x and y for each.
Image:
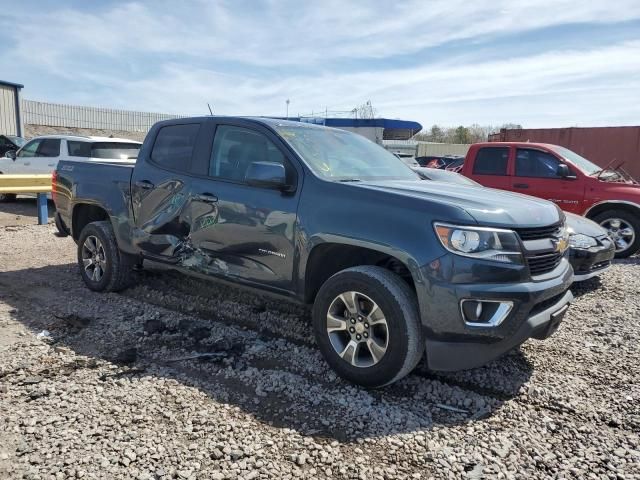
(248, 57)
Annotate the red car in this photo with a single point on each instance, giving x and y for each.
(607, 195)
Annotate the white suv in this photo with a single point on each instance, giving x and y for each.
(41, 154)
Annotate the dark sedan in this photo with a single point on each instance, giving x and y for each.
(591, 250)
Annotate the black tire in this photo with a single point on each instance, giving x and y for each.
(117, 271)
(405, 344)
(628, 217)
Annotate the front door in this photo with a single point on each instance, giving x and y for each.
(536, 173)
(39, 156)
(250, 233)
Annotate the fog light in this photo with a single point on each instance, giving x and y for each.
(485, 313)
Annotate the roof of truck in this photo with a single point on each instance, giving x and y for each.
(83, 138)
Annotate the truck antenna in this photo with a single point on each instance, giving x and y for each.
(210, 111)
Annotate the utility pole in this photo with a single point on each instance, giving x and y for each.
(287, 102)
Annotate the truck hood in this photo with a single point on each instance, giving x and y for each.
(486, 205)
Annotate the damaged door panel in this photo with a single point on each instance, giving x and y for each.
(162, 191)
(248, 232)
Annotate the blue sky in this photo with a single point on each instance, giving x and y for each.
(538, 63)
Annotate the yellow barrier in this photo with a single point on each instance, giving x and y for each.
(25, 183)
(40, 184)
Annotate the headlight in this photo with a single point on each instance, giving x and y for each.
(579, 240)
(479, 242)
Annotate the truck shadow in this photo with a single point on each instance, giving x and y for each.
(242, 358)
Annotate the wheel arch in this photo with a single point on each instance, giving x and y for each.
(85, 213)
(332, 255)
(603, 206)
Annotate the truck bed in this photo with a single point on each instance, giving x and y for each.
(105, 183)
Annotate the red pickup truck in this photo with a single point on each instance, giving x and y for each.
(607, 195)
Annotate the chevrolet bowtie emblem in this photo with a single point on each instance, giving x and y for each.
(560, 244)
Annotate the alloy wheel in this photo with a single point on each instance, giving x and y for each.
(621, 232)
(357, 329)
(94, 258)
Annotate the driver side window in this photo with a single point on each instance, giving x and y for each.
(236, 148)
(535, 163)
(30, 149)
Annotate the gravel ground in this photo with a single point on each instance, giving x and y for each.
(180, 378)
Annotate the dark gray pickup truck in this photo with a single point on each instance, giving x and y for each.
(394, 266)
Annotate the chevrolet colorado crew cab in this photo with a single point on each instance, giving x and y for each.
(394, 266)
(608, 196)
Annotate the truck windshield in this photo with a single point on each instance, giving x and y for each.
(343, 156)
(585, 165)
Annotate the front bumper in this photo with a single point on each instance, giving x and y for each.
(589, 262)
(452, 356)
(452, 343)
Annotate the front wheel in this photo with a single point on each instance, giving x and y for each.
(624, 230)
(367, 326)
(103, 266)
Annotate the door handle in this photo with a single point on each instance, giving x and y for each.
(144, 184)
(206, 198)
(27, 163)
(521, 185)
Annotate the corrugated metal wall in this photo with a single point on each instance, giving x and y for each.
(8, 124)
(601, 145)
(75, 116)
(426, 149)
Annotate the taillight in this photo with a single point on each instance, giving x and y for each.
(54, 181)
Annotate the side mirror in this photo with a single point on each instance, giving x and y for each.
(266, 175)
(10, 154)
(564, 172)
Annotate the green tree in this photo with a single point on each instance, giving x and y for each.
(461, 135)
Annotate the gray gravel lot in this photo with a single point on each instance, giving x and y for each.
(180, 378)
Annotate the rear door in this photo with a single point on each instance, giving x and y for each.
(490, 167)
(161, 190)
(248, 232)
(536, 173)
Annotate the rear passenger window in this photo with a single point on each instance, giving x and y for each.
(79, 149)
(49, 147)
(174, 146)
(491, 161)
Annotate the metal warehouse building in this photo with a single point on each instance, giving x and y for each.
(10, 117)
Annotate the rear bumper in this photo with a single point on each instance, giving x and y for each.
(460, 355)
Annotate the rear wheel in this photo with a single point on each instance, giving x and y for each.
(624, 230)
(103, 266)
(367, 326)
